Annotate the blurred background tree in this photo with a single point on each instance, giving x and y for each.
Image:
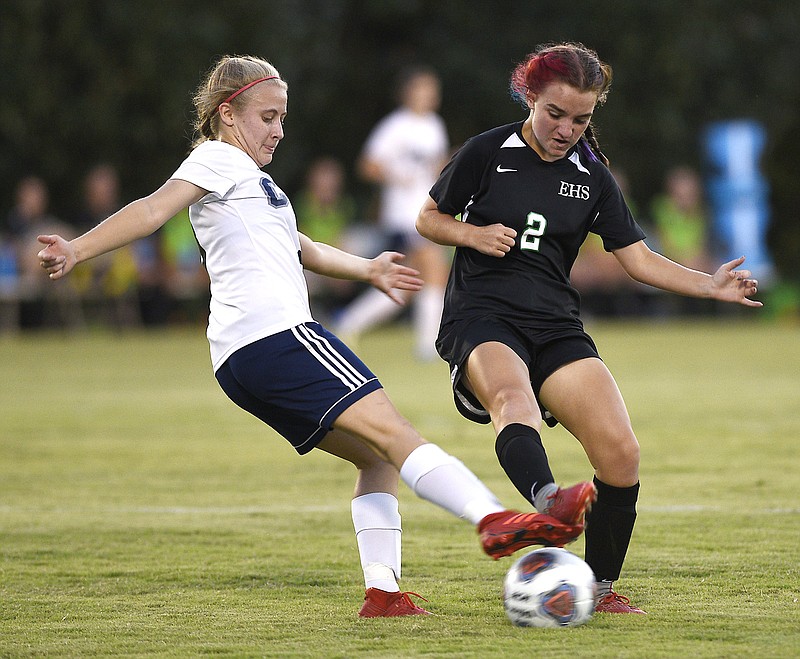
(87, 81)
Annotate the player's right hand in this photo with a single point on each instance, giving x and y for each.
(58, 256)
(493, 240)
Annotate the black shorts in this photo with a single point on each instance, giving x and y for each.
(543, 352)
(297, 381)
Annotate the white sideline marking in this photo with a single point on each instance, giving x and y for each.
(713, 509)
(179, 510)
(319, 508)
(235, 510)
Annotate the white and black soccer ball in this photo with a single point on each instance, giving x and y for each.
(549, 587)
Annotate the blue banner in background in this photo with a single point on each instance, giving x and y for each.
(739, 193)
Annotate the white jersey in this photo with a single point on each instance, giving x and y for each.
(411, 148)
(247, 228)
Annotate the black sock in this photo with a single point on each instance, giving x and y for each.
(522, 456)
(609, 526)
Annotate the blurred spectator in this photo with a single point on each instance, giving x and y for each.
(185, 280)
(404, 154)
(100, 197)
(109, 283)
(323, 209)
(683, 231)
(681, 220)
(27, 300)
(325, 213)
(605, 288)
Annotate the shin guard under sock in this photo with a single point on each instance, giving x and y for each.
(609, 526)
(522, 456)
(442, 479)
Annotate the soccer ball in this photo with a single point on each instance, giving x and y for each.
(549, 587)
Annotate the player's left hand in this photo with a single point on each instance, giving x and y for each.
(731, 285)
(390, 276)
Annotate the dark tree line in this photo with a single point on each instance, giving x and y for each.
(91, 80)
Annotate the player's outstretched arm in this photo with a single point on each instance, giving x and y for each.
(138, 219)
(726, 284)
(385, 272)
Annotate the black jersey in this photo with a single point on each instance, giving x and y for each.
(496, 177)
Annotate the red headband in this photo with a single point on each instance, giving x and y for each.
(245, 88)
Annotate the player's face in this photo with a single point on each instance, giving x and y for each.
(423, 94)
(560, 115)
(256, 126)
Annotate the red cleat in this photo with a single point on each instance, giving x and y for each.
(505, 532)
(570, 505)
(614, 603)
(380, 604)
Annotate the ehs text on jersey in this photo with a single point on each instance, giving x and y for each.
(574, 190)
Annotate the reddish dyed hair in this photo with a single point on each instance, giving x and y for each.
(573, 64)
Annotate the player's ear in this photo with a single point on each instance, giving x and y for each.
(226, 114)
(530, 97)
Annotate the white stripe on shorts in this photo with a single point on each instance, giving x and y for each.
(326, 355)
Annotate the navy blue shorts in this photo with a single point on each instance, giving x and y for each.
(297, 381)
(544, 353)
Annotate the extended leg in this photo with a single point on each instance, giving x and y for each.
(585, 399)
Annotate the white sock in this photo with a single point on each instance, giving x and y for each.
(427, 315)
(368, 310)
(376, 519)
(603, 588)
(440, 478)
(541, 501)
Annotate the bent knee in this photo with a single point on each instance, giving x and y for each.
(628, 452)
(617, 463)
(513, 402)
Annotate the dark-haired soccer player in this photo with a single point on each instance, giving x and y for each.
(528, 193)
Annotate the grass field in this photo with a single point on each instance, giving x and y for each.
(141, 513)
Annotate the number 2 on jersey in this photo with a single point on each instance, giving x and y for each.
(537, 223)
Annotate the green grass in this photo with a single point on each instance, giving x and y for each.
(141, 513)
